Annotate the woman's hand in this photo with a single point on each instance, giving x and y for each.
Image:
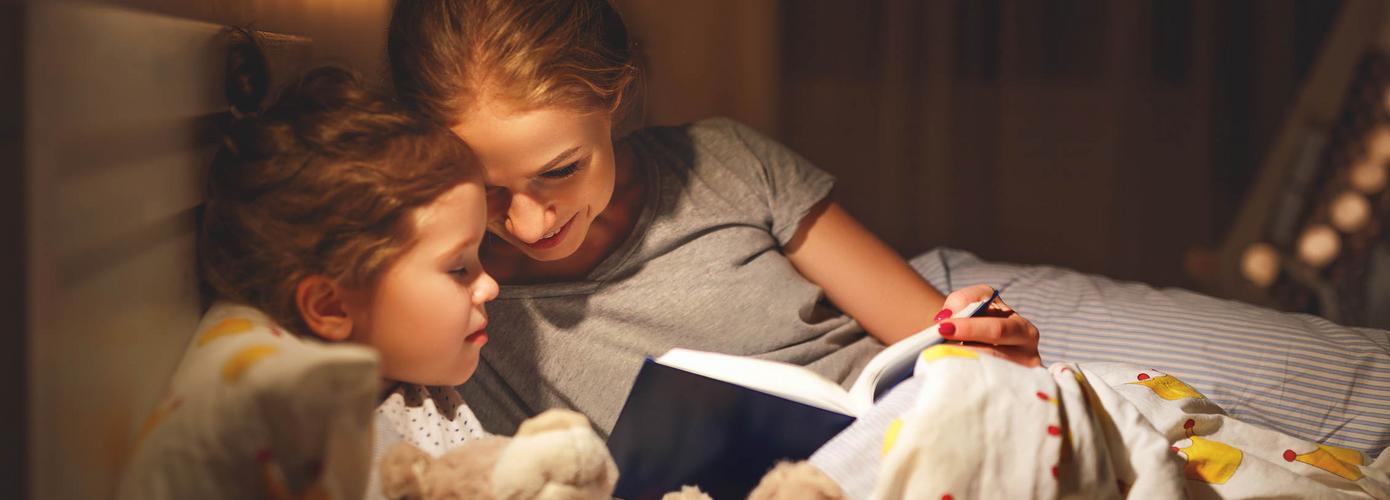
(999, 330)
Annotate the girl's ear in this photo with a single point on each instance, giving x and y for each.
(323, 305)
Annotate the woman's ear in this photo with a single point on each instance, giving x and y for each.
(323, 305)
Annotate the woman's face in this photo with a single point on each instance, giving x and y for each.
(549, 173)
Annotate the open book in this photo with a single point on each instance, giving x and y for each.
(721, 421)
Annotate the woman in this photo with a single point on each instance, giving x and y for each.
(708, 236)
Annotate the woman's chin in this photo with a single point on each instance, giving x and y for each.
(559, 252)
(551, 255)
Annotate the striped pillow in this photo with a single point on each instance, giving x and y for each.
(1294, 373)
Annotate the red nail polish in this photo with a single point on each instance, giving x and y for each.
(947, 329)
(945, 313)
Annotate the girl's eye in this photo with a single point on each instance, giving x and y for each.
(459, 272)
(562, 172)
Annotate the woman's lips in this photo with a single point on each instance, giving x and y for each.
(545, 243)
(479, 337)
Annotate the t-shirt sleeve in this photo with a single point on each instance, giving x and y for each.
(787, 183)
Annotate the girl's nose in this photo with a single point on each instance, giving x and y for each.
(485, 289)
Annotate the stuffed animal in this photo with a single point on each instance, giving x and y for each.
(786, 481)
(796, 480)
(554, 456)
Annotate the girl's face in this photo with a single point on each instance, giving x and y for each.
(426, 315)
(549, 173)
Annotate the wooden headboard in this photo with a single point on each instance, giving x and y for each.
(124, 110)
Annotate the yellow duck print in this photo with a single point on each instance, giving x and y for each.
(1339, 461)
(941, 351)
(1209, 461)
(243, 360)
(225, 328)
(160, 413)
(890, 436)
(1168, 387)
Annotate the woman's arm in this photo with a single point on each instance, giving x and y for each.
(861, 275)
(872, 283)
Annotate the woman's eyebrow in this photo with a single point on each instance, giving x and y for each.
(564, 155)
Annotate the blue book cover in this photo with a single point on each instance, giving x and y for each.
(679, 428)
(721, 422)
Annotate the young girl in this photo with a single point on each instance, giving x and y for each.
(345, 218)
(709, 236)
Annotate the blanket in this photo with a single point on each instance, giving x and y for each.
(973, 426)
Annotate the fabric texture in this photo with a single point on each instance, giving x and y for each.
(1293, 373)
(253, 411)
(703, 269)
(982, 427)
(433, 419)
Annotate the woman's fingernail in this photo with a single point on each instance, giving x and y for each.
(945, 313)
(947, 329)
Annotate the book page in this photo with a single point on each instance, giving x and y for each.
(895, 362)
(780, 379)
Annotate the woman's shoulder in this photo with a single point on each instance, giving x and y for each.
(704, 132)
(720, 143)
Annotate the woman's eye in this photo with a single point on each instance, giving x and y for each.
(562, 172)
(459, 272)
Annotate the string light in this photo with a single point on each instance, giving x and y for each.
(1349, 212)
(1367, 177)
(1260, 264)
(1319, 245)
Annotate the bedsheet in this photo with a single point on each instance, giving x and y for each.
(980, 427)
(1293, 373)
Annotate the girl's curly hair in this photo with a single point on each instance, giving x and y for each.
(320, 183)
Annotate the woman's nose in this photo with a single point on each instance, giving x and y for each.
(526, 218)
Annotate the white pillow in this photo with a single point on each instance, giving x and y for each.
(253, 411)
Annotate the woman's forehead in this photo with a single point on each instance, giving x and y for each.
(523, 141)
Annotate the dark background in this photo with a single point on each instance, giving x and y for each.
(1111, 137)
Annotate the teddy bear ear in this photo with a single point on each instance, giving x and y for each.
(554, 419)
(687, 492)
(400, 471)
(799, 480)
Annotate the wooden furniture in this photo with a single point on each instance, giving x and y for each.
(1312, 234)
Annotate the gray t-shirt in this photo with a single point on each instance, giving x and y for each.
(703, 269)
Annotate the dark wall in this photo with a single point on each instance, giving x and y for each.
(13, 283)
(1111, 137)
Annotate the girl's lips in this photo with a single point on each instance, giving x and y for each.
(550, 242)
(479, 337)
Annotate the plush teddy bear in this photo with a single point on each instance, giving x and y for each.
(786, 481)
(554, 456)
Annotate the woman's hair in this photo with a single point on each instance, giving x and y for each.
(321, 183)
(447, 54)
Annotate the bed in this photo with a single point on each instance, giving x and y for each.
(1298, 374)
